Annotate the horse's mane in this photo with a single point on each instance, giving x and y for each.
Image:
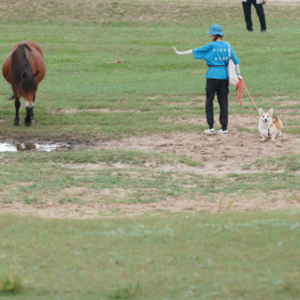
(20, 70)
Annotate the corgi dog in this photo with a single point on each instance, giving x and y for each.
(266, 126)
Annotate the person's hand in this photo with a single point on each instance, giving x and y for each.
(265, 1)
(175, 49)
(240, 77)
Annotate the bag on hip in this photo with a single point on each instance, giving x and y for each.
(232, 77)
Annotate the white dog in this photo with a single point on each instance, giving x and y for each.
(266, 126)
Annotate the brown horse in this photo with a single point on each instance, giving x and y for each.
(24, 68)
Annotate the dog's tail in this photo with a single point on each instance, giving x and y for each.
(277, 123)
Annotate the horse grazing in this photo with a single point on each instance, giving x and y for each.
(24, 68)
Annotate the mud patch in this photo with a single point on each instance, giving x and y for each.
(30, 146)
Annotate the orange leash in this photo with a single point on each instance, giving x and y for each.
(239, 90)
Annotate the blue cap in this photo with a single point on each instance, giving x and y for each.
(215, 29)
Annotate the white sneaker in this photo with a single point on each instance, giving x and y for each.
(209, 131)
(221, 131)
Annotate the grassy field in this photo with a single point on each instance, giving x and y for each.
(192, 253)
(199, 256)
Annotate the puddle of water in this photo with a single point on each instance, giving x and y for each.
(15, 147)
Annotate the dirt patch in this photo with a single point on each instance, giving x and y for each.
(290, 102)
(100, 210)
(182, 103)
(198, 98)
(175, 167)
(154, 97)
(288, 118)
(220, 154)
(99, 110)
(235, 121)
(287, 111)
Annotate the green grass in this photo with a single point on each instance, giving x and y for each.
(197, 256)
(78, 76)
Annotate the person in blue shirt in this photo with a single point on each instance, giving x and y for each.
(217, 56)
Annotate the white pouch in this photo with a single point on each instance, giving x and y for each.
(232, 77)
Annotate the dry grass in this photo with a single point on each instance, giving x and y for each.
(106, 12)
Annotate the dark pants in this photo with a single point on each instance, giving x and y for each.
(219, 86)
(260, 12)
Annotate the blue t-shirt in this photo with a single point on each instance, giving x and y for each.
(216, 55)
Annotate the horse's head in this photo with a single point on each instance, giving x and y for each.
(27, 88)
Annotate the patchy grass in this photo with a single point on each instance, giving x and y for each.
(244, 129)
(285, 163)
(65, 177)
(134, 158)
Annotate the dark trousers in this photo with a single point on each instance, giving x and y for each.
(260, 12)
(219, 86)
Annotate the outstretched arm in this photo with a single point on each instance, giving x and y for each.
(184, 52)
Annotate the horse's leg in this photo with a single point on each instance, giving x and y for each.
(31, 111)
(17, 106)
(27, 121)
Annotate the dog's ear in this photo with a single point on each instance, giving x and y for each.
(260, 111)
(271, 111)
